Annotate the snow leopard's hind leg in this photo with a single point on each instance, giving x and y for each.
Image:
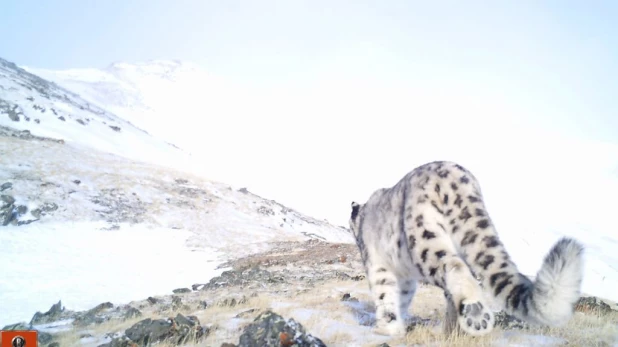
(439, 263)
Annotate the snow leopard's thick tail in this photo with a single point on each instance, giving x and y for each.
(551, 298)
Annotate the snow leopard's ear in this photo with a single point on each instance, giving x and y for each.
(355, 208)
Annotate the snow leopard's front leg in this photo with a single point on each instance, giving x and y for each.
(407, 289)
(386, 294)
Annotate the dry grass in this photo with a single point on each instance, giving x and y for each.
(323, 314)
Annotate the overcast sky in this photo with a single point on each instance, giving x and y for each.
(356, 93)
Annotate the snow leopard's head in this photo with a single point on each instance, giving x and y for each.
(355, 217)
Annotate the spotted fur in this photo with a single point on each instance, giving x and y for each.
(433, 227)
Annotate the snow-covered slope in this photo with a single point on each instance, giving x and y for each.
(95, 212)
(98, 227)
(28, 102)
(163, 97)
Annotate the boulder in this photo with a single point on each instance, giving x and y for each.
(272, 330)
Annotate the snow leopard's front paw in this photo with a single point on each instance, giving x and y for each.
(475, 318)
(389, 325)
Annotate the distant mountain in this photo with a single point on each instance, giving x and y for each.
(31, 103)
(166, 98)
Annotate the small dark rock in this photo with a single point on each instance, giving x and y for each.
(202, 305)
(54, 344)
(77, 182)
(243, 190)
(115, 128)
(152, 300)
(176, 303)
(6, 186)
(197, 286)
(62, 118)
(227, 344)
(181, 291)
(21, 210)
(6, 201)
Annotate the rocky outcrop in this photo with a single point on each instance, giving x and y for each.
(10, 212)
(26, 135)
(271, 330)
(179, 330)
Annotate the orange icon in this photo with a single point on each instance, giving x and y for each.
(19, 338)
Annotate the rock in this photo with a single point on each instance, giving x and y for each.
(132, 312)
(152, 300)
(181, 291)
(592, 304)
(96, 315)
(115, 128)
(6, 201)
(253, 275)
(21, 210)
(243, 190)
(119, 342)
(197, 286)
(202, 305)
(77, 182)
(176, 302)
(44, 337)
(54, 344)
(6, 186)
(54, 314)
(271, 330)
(178, 330)
(266, 211)
(44, 209)
(226, 344)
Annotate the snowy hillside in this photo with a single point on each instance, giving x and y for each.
(163, 97)
(28, 102)
(94, 212)
(90, 227)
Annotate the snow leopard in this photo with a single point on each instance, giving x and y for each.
(433, 227)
